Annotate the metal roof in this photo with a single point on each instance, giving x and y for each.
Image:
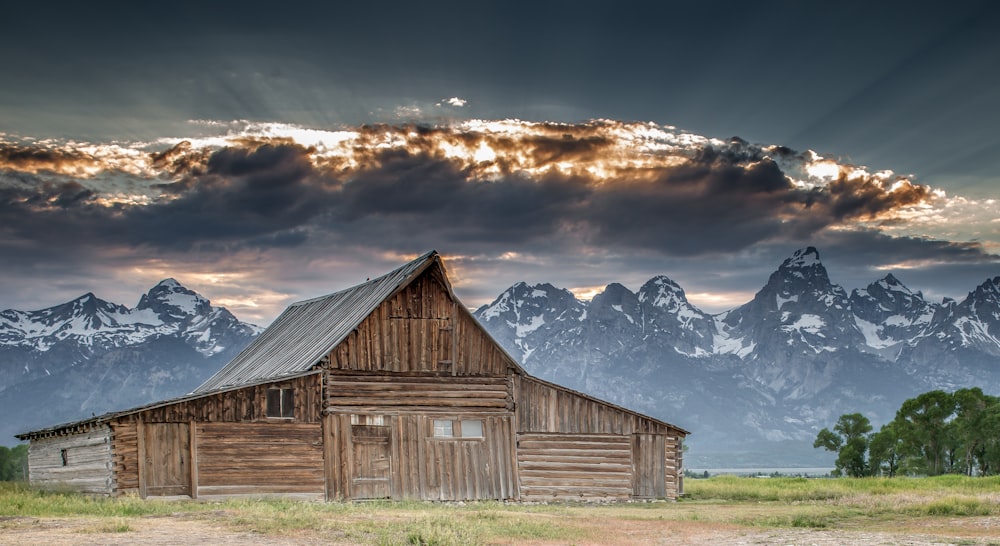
(308, 330)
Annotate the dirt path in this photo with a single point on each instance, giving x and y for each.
(185, 529)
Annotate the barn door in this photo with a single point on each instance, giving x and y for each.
(372, 461)
(649, 466)
(167, 466)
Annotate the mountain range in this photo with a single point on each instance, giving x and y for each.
(89, 356)
(756, 383)
(753, 384)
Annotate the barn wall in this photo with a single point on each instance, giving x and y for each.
(544, 408)
(259, 459)
(421, 466)
(239, 405)
(655, 448)
(355, 393)
(87, 466)
(556, 467)
(421, 329)
(125, 457)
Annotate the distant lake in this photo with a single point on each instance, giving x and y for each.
(817, 471)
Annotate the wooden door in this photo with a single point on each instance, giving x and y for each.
(649, 466)
(372, 462)
(167, 467)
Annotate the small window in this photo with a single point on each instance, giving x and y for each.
(472, 428)
(443, 428)
(280, 403)
(453, 428)
(63, 457)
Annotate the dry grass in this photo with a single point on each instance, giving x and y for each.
(724, 509)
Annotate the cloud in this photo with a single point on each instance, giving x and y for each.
(473, 187)
(454, 101)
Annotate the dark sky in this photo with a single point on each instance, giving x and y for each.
(909, 87)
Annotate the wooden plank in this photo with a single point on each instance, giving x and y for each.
(141, 447)
(193, 459)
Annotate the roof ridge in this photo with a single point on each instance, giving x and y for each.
(422, 258)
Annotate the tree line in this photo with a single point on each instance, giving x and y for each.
(14, 463)
(934, 433)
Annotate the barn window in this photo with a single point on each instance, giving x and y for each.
(472, 428)
(280, 403)
(465, 428)
(444, 428)
(63, 457)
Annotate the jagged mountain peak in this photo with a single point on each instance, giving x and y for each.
(662, 292)
(803, 258)
(990, 289)
(172, 301)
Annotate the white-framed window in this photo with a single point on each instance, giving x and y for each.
(457, 428)
(281, 402)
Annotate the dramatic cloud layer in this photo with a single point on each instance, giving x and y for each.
(486, 192)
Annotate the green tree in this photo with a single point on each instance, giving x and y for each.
(13, 463)
(974, 429)
(884, 451)
(922, 424)
(849, 439)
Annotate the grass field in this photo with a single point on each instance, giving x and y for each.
(950, 509)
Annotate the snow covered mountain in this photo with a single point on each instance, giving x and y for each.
(91, 356)
(757, 382)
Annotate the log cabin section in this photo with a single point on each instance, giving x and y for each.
(387, 390)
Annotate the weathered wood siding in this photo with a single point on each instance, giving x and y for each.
(259, 459)
(674, 465)
(421, 329)
(373, 393)
(542, 407)
(248, 404)
(649, 466)
(125, 458)
(79, 461)
(421, 466)
(574, 466)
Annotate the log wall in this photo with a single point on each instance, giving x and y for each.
(374, 393)
(80, 461)
(557, 467)
(259, 459)
(125, 457)
(542, 407)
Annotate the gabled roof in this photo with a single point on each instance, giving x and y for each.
(308, 330)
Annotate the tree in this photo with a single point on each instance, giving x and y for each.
(884, 451)
(13, 463)
(922, 424)
(975, 429)
(849, 439)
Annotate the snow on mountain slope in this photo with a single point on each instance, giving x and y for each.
(90, 356)
(776, 369)
(168, 309)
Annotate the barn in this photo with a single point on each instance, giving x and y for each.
(389, 389)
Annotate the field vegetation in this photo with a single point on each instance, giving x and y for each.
(953, 509)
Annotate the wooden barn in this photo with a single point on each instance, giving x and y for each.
(390, 389)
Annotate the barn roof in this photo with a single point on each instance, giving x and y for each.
(308, 330)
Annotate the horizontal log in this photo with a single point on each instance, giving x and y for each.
(258, 489)
(557, 469)
(417, 401)
(403, 378)
(596, 458)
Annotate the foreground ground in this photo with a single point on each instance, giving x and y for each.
(950, 510)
